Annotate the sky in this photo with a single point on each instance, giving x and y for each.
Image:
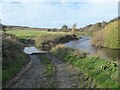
(56, 13)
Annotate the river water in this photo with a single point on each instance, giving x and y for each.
(32, 50)
(84, 44)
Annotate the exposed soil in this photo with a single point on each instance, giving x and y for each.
(67, 76)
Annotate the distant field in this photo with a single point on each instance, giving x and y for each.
(31, 33)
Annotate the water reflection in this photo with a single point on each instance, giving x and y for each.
(84, 44)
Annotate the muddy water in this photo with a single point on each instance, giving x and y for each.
(84, 44)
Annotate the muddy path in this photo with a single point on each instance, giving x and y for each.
(32, 77)
(62, 73)
(67, 76)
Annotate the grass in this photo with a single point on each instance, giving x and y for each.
(46, 42)
(104, 72)
(84, 33)
(49, 73)
(49, 69)
(13, 59)
(107, 37)
(31, 33)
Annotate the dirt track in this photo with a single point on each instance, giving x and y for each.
(67, 76)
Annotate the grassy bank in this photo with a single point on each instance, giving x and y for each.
(107, 37)
(84, 33)
(27, 36)
(105, 73)
(49, 41)
(13, 58)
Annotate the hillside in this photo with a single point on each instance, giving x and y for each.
(94, 27)
(89, 29)
(108, 36)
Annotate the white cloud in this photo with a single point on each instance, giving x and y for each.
(41, 14)
(60, 1)
(30, 1)
(103, 0)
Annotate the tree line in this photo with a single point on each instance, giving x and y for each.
(65, 28)
(3, 27)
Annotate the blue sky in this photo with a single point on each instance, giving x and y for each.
(55, 13)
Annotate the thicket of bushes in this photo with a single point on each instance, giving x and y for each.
(49, 41)
(13, 58)
(107, 37)
(104, 72)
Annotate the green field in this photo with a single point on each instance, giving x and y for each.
(31, 33)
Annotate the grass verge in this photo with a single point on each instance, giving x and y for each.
(105, 73)
(13, 59)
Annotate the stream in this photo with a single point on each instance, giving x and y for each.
(84, 44)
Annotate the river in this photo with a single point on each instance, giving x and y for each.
(84, 44)
(32, 50)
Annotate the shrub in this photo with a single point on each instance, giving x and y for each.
(45, 39)
(98, 38)
(49, 41)
(61, 51)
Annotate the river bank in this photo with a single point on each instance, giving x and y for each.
(84, 44)
(93, 69)
(47, 42)
(99, 69)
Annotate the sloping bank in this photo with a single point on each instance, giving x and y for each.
(105, 73)
(108, 37)
(13, 57)
(46, 42)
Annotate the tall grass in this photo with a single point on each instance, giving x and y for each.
(108, 37)
(49, 41)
